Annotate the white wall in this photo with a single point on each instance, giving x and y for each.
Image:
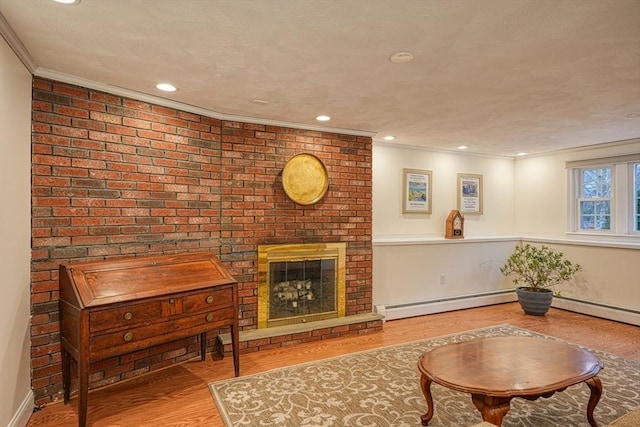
(525, 198)
(541, 182)
(410, 254)
(611, 276)
(388, 219)
(16, 398)
(415, 278)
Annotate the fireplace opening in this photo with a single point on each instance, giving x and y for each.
(300, 283)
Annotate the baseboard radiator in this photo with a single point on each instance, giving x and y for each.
(617, 314)
(401, 311)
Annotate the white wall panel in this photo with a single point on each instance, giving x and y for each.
(388, 219)
(541, 188)
(412, 273)
(15, 238)
(526, 197)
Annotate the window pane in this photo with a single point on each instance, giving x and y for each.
(602, 208)
(595, 215)
(587, 215)
(603, 222)
(596, 182)
(587, 208)
(587, 222)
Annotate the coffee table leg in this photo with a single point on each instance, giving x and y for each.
(493, 409)
(425, 383)
(595, 385)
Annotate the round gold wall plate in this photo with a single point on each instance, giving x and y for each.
(305, 179)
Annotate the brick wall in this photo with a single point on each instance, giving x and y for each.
(116, 177)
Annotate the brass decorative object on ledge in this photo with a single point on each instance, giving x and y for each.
(305, 179)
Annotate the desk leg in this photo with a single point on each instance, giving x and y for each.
(203, 346)
(66, 375)
(235, 345)
(493, 409)
(83, 390)
(425, 384)
(595, 385)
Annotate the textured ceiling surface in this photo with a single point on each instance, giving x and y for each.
(501, 76)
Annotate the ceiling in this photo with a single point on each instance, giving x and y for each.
(500, 76)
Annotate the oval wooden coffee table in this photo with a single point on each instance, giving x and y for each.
(497, 369)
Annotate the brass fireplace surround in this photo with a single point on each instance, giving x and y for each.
(284, 253)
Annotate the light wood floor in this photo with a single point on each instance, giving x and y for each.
(179, 396)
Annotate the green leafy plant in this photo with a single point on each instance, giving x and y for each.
(538, 268)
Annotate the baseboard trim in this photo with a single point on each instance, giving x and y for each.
(440, 306)
(22, 415)
(402, 311)
(597, 310)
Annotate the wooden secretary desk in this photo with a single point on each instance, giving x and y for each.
(109, 308)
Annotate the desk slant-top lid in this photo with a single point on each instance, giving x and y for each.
(98, 283)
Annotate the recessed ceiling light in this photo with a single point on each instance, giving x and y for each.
(323, 118)
(401, 57)
(389, 138)
(166, 87)
(521, 154)
(462, 147)
(67, 1)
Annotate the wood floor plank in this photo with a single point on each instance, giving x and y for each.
(178, 396)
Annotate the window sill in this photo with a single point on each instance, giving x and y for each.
(589, 239)
(607, 241)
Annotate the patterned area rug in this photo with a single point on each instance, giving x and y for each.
(381, 387)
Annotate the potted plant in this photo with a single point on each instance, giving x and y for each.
(536, 271)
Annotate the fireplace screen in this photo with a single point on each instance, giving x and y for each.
(300, 283)
(302, 287)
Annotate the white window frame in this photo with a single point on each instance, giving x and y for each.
(622, 195)
(581, 198)
(634, 211)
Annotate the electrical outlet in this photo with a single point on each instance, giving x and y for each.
(443, 279)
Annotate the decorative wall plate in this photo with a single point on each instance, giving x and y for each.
(305, 179)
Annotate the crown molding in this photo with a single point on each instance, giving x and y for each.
(140, 96)
(440, 150)
(16, 45)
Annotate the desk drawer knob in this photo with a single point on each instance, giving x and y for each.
(128, 336)
(209, 317)
(128, 315)
(172, 300)
(210, 299)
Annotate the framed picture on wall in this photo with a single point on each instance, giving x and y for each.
(416, 191)
(470, 193)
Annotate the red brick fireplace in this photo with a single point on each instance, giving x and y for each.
(116, 177)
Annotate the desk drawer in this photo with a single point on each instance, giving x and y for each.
(130, 315)
(140, 337)
(210, 299)
(155, 310)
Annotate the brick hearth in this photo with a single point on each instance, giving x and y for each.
(280, 336)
